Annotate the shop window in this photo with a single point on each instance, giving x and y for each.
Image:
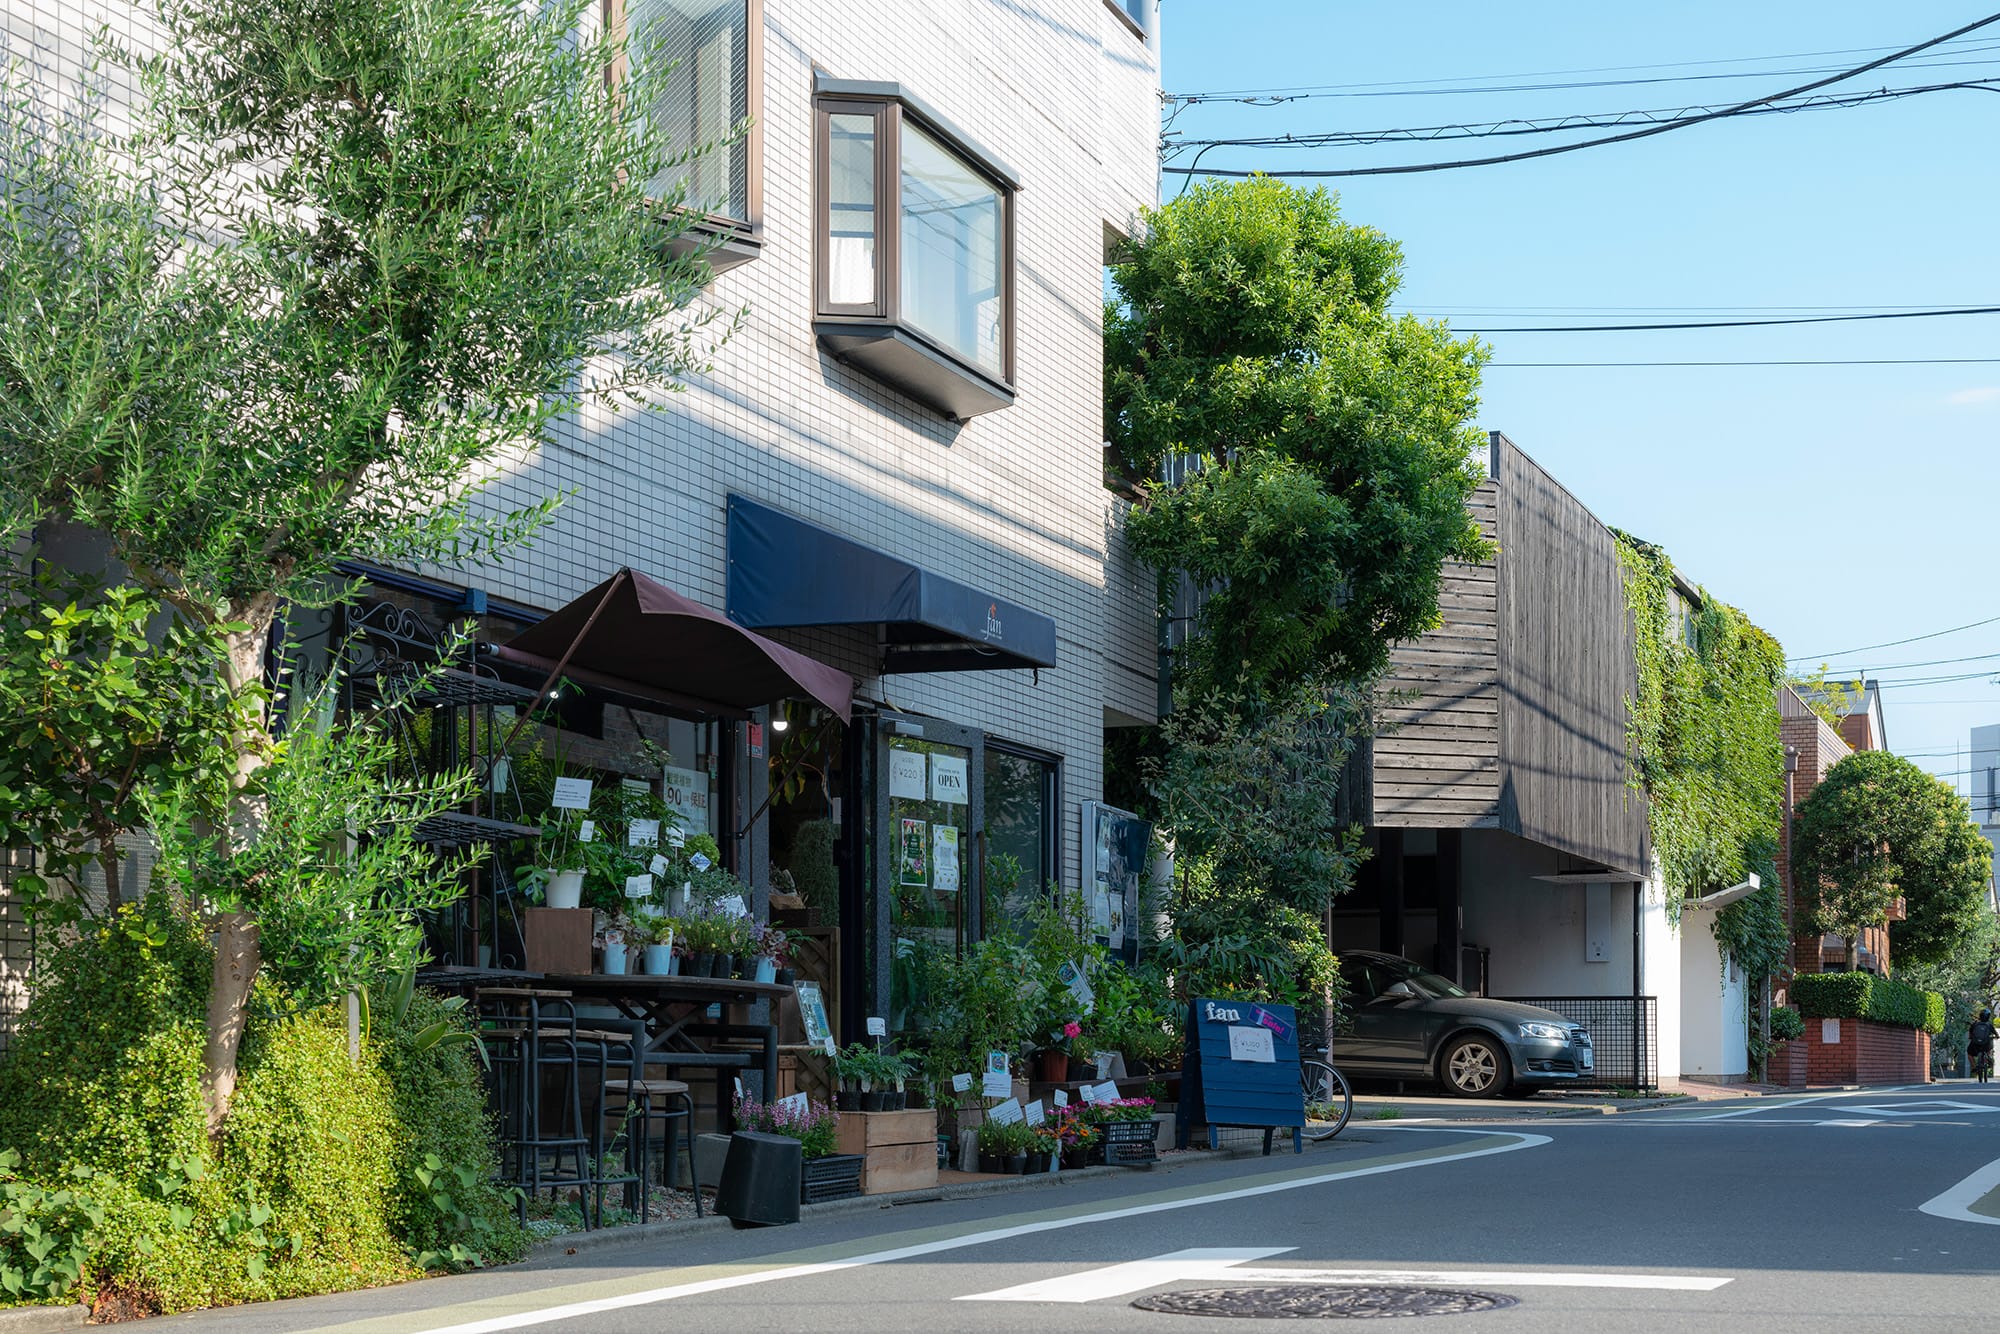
(715, 49)
(1021, 805)
(914, 250)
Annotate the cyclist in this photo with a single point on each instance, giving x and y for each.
(1979, 1045)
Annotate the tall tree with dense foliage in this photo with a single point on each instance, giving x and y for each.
(348, 264)
(1877, 828)
(1250, 329)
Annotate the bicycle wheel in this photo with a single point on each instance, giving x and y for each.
(1329, 1102)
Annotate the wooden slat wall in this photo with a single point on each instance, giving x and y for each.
(1566, 669)
(1436, 757)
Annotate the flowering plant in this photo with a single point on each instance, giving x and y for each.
(1062, 1039)
(1120, 1109)
(815, 1128)
(1073, 1130)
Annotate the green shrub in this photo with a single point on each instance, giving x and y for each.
(444, 1206)
(1787, 1025)
(1865, 996)
(46, 1234)
(318, 1183)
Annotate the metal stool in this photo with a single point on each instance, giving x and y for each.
(652, 1097)
(538, 1036)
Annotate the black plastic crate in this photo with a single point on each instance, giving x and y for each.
(837, 1176)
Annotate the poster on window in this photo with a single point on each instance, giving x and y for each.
(948, 779)
(906, 773)
(944, 857)
(686, 793)
(913, 852)
(1117, 846)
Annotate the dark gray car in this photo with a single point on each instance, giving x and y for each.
(1406, 1022)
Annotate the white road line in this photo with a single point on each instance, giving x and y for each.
(1209, 1266)
(571, 1310)
(1202, 1262)
(1956, 1203)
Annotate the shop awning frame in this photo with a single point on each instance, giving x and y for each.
(785, 573)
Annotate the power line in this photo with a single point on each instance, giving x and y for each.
(1863, 361)
(1629, 135)
(1517, 126)
(1894, 643)
(1485, 83)
(1736, 324)
(1492, 312)
(1846, 674)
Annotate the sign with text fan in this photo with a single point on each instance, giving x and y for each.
(1241, 1068)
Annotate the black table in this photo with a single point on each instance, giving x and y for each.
(670, 1007)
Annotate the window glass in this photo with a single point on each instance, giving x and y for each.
(707, 95)
(1019, 825)
(930, 842)
(851, 206)
(951, 252)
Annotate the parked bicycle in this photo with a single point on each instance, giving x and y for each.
(1329, 1102)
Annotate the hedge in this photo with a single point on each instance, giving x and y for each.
(1866, 996)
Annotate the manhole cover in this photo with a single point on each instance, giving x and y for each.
(1302, 1301)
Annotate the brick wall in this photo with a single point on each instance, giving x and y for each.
(1867, 1053)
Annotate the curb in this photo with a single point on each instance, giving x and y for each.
(574, 1243)
(33, 1319)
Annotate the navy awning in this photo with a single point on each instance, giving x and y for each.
(787, 573)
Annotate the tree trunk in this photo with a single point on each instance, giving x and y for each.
(237, 959)
(237, 951)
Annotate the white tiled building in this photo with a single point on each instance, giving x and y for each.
(1042, 112)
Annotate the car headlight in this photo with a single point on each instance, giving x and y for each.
(1555, 1032)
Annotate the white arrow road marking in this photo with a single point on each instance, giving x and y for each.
(1956, 1203)
(1212, 1265)
(1202, 1262)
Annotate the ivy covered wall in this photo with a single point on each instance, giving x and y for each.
(1702, 736)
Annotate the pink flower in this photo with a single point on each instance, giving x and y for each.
(1072, 1029)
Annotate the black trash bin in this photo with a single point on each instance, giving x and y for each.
(760, 1179)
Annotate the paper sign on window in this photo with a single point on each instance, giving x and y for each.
(906, 773)
(948, 779)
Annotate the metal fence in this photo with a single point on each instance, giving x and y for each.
(1623, 1029)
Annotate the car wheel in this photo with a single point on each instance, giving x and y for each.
(1475, 1067)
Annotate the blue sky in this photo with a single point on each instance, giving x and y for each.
(1838, 506)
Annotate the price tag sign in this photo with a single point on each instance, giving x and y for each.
(638, 886)
(1035, 1113)
(658, 866)
(878, 1027)
(961, 1083)
(700, 861)
(1102, 1060)
(1089, 1092)
(572, 794)
(675, 838)
(587, 834)
(1108, 1091)
(1062, 1098)
(1250, 1044)
(826, 1045)
(1007, 1113)
(1079, 985)
(797, 1102)
(642, 833)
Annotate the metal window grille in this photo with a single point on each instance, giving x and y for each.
(1626, 1044)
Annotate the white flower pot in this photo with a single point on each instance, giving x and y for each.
(614, 959)
(659, 959)
(564, 889)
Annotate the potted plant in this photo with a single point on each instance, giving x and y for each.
(1078, 1137)
(1020, 1143)
(613, 931)
(655, 933)
(1047, 1147)
(826, 1175)
(557, 876)
(1052, 1061)
(992, 1146)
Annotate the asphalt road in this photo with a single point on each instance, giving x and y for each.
(1856, 1211)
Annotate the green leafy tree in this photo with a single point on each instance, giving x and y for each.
(1877, 828)
(93, 710)
(351, 261)
(1829, 699)
(1250, 329)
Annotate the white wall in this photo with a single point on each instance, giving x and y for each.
(1715, 1040)
(1536, 931)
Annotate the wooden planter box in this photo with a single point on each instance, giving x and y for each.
(557, 939)
(899, 1148)
(837, 1176)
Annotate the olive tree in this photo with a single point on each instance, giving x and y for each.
(348, 259)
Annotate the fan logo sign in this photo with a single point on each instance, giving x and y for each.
(992, 622)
